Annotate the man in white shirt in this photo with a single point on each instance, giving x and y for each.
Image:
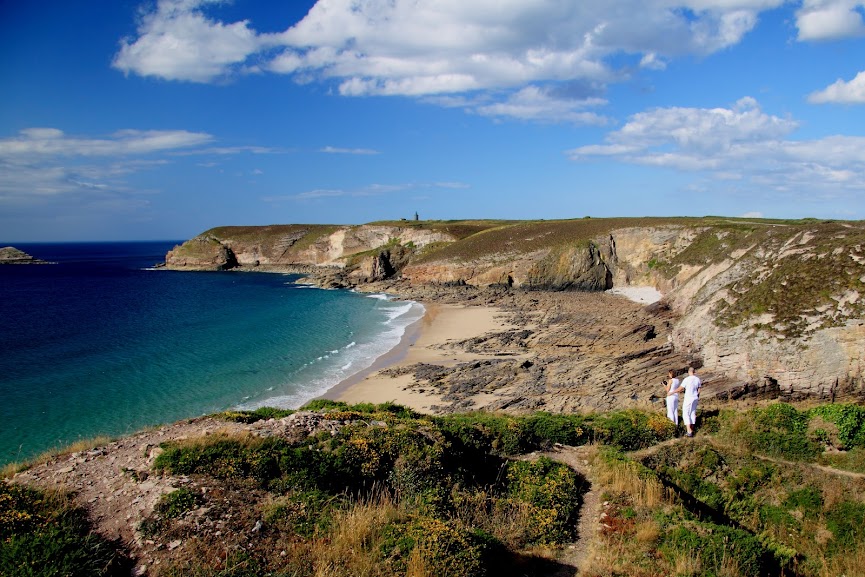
(691, 387)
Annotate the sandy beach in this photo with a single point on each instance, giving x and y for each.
(427, 341)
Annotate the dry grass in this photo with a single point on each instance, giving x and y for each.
(624, 477)
(509, 523)
(348, 550)
(647, 533)
(845, 565)
(686, 564)
(10, 469)
(607, 556)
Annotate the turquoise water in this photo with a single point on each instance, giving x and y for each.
(99, 344)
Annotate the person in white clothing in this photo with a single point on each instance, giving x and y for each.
(670, 388)
(691, 387)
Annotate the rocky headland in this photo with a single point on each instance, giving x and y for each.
(12, 255)
(766, 309)
(763, 308)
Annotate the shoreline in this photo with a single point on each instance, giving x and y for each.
(383, 361)
(433, 339)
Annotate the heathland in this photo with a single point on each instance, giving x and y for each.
(534, 441)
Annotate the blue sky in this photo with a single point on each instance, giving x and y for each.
(124, 119)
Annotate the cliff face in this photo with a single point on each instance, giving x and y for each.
(293, 245)
(775, 305)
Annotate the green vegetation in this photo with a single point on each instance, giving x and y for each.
(804, 290)
(45, 534)
(394, 492)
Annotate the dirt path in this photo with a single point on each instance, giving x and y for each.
(577, 458)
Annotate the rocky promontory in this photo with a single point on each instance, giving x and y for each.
(764, 307)
(11, 255)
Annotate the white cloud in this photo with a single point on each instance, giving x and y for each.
(652, 62)
(852, 92)
(740, 148)
(45, 163)
(752, 214)
(337, 150)
(178, 42)
(35, 142)
(441, 47)
(534, 103)
(830, 19)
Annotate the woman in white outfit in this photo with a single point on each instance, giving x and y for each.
(670, 388)
(691, 386)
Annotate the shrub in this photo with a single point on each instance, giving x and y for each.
(442, 549)
(553, 493)
(324, 405)
(176, 503)
(718, 546)
(850, 420)
(45, 534)
(630, 430)
(260, 414)
(808, 500)
(304, 513)
(846, 520)
(779, 430)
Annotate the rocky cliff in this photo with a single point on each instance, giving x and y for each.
(770, 306)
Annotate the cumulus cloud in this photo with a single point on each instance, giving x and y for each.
(176, 41)
(741, 145)
(428, 48)
(830, 19)
(852, 92)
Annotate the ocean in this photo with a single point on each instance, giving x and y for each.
(103, 344)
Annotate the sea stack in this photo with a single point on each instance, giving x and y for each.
(11, 255)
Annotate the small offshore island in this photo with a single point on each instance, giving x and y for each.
(519, 428)
(12, 255)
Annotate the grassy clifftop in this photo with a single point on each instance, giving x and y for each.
(380, 490)
(794, 277)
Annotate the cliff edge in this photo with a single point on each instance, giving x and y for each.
(763, 306)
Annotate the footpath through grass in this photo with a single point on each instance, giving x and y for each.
(393, 492)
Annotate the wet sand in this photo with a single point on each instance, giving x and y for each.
(427, 341)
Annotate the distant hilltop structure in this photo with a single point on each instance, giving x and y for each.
(11, 255)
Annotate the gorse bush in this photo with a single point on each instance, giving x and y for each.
(549, 490)
(442, 548)
(390, 492)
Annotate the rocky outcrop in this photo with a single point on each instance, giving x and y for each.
(299, 246)
(11, 255)
(201, 253)
(753, 302)
(580, 267)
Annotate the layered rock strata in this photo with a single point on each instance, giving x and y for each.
(766, 307)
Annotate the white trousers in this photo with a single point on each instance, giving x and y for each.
(689, 411)
(673, 408)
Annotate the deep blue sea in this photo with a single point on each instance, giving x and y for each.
(101, 343)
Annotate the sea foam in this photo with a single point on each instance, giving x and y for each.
(341, 364)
